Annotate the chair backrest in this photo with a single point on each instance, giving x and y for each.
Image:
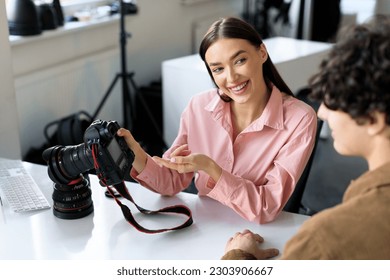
(294, 203)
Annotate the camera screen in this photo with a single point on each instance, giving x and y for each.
(115, 150)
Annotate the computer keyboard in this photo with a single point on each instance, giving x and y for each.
(19, 188)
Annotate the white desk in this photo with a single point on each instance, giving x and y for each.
(182, 78)
(106, 235)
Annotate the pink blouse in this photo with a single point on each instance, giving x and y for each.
(260, 167)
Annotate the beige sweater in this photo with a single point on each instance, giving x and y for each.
(358, 228)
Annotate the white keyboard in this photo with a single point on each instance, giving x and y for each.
(19, 188)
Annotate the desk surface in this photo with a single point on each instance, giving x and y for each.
(105, 234)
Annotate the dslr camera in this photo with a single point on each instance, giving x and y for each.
(68, 167)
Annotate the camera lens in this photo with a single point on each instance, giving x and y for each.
(67, 163)
(67, 167)
(77, 159)
(73, 201)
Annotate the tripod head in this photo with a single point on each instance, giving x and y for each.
(127, 8)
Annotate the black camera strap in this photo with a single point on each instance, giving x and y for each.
(176, 209)
(123, 191)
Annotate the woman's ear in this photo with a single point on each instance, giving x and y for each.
(378, 123)
(263, 53)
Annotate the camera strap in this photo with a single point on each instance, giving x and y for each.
(123, 191)
(176, 209)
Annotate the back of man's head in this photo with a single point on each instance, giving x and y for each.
(354, 77)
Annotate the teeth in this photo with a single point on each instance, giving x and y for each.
(237, 88)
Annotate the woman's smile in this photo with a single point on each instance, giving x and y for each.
(239, 89)
(236, 67)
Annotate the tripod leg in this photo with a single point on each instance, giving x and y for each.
(128, 108)
(147, 110)
(105, 96)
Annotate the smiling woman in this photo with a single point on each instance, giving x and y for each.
(246, 142)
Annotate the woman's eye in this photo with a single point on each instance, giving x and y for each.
(241, 61)
(217, 70)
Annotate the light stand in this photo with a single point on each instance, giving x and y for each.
(127, 99)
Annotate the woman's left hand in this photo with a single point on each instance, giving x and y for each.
(183, 161)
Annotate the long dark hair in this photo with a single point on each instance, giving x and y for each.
(235, 28)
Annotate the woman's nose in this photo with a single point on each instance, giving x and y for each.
(231, 75)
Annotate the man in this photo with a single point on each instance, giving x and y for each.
(354, 87)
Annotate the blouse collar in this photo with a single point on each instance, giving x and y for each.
(272, 115)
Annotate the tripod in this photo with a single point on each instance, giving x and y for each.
(126, 77)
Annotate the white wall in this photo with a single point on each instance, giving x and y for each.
(382, 7)
(164, 31)
(56, 75)
(9, 123)
(362, 9)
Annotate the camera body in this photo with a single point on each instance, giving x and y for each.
(68, 166)
(114, 156)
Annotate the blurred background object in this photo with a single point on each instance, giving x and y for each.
(23, 18)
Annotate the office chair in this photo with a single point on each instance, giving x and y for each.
(294, 204)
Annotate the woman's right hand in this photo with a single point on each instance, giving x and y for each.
(140, 156)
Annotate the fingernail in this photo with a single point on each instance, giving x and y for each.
(173, 160)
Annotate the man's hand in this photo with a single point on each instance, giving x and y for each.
(250, 243)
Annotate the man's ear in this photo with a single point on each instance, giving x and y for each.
(378, 123)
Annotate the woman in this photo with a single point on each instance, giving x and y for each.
(246, 142)
(353, 85)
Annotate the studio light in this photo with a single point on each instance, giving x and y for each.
(23, 18)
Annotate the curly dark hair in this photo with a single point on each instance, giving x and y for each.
(355, 76)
